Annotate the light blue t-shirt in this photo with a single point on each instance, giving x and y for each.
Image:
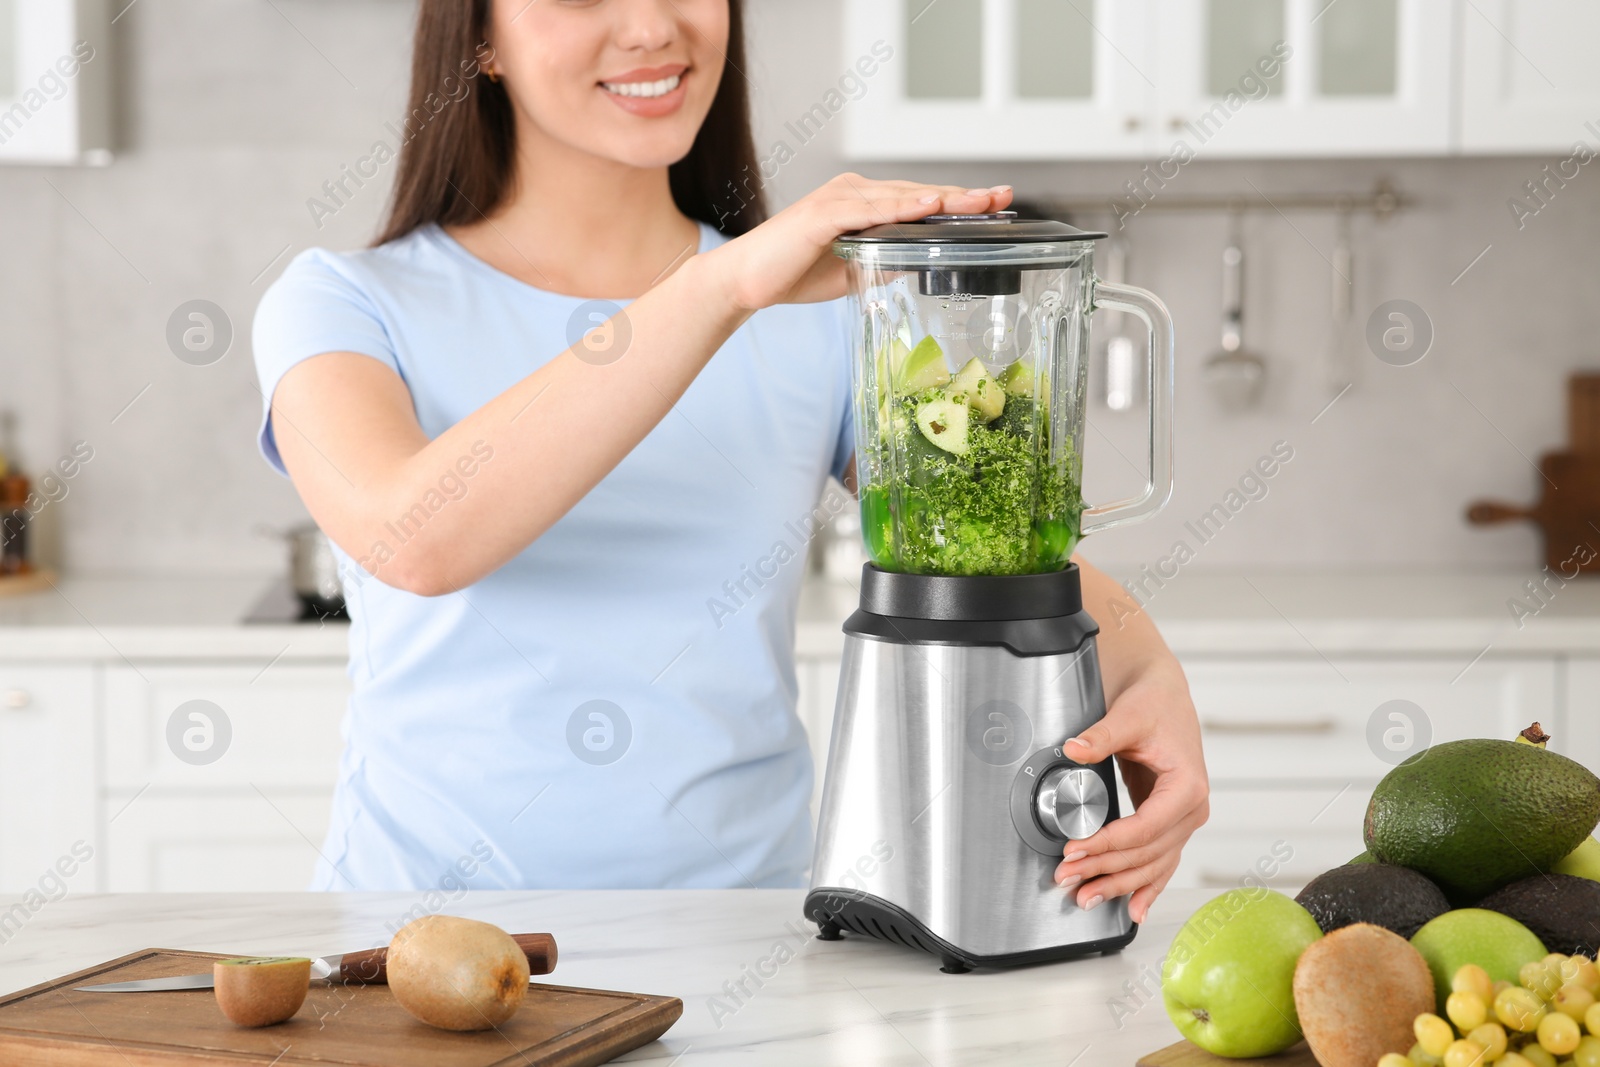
(614, 707)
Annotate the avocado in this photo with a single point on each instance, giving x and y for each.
(1562, 910)
(945, 422)
(1394, 898)
(1478, 814)
(985, 395)
(1583, 861)
(921, 368)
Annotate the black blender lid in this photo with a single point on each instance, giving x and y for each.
(998, 227)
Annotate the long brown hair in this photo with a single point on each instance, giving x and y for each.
(460, 134)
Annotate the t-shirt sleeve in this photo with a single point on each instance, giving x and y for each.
(316, 306)
(845, 444)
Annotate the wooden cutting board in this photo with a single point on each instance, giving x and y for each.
(1568, 512)
(1183, 1054)
(1568, 509)
(51, 1025)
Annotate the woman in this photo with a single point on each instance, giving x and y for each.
(537, 492)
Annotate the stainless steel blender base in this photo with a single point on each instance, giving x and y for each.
(931, 834)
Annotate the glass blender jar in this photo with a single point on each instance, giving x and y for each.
(971, 338)
(948, 800)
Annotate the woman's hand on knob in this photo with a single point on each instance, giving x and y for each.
(789, 258)
(1153, 731)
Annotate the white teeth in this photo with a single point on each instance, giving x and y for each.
(644, 89)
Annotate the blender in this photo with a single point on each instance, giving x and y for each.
(948, 801)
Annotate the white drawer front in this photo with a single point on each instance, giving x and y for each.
(47, 784)
(234, 726)
(206, 843)
(1279, 837)
(1292, 720)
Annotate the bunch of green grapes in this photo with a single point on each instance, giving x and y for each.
(1550, 1020)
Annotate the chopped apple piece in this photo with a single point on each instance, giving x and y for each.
(922, 368)
(945, 423)
(985, 395)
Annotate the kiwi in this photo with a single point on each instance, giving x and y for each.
(457, 974)
(261, 991)
(1357, 992)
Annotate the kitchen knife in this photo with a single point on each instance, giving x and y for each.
(352, 968)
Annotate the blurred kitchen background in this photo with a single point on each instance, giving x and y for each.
(229, 115)
(1435, 152)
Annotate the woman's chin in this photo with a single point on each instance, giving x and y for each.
(648, 151)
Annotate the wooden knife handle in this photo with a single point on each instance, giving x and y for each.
(1489, 513)
(368, 967)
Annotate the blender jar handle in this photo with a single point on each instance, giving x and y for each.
(1147, 306)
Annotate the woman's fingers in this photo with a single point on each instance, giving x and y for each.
(1172, 800)
(1167, 841)
(1143, 897)
(1144, 884)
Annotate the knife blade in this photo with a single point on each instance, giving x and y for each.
(368, 967)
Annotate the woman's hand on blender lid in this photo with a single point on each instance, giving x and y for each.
(789, 258)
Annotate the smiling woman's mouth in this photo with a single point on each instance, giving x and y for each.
(653, 98)
(646, 90)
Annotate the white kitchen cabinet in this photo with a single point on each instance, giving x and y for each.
(249, 841)
(1358, 77)
(55, 81)
(219, 777)
(48, 758)
(1529, 81)
(1000, 79)
(1042, 79)
(1294, 746)
(1174, 80)
(1579, 732)
(1300, 720)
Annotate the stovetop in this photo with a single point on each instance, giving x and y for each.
(280, 605)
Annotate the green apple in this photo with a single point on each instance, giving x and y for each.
(985, 395)
(922, 368)
(1017, 379)
(1497, 943)
(1583, 861)
(1228, 980)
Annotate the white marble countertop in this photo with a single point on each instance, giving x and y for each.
(854, 1002)
(1271, 613)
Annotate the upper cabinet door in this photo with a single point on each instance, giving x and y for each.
(1284, 78)
(999, 79)
(55, 79)
(1529, 80)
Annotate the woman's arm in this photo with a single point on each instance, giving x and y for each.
(1152, 729)
(348, 436)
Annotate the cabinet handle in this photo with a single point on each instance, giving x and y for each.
(1225, 726)
(17, 699)
(1132, 123)
(1176, 123)
(1220, 880)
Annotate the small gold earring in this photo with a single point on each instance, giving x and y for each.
(494, 75)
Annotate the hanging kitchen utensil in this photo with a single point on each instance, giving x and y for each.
(1336, 365)
(1234, 374)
